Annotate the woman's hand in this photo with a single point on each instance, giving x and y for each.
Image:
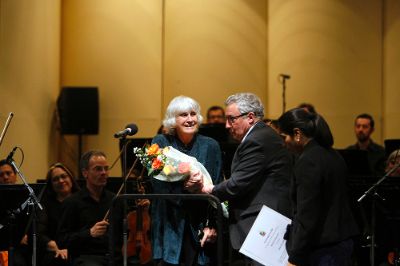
(210, 235)
(61, 253)
(194, 183)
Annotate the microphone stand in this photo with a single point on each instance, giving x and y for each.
(33, 204)
(284, 78)
(372, 191)
(125, 174)
(3, 133)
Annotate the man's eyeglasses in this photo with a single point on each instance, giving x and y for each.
(232, 119)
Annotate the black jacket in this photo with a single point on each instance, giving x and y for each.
(261, 172)
(322, 214)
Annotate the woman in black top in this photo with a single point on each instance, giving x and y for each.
(322, 225)
(60, 185)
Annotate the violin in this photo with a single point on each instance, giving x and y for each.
(138, 244)
(394, 257)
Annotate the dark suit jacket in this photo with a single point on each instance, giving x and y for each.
(261, 172)
(322, 215)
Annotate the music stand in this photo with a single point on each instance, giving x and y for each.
(215, 131)
(13, 213)
(391, 145)
(357, 162)
(372, 192)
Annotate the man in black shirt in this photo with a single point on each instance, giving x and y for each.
(83, 227)
(364, 126)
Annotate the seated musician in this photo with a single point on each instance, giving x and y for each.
(84, 224)
(392, 161)
(60, 184)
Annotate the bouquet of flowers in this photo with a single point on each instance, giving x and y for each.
(151, 157)
(170, 165)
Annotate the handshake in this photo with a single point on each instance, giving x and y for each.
(195, 184)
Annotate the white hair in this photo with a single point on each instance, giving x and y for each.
(177, 106)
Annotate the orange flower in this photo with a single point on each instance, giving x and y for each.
(156, 164)
(153, 149)
(184, 168)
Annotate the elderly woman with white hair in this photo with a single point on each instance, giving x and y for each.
(176, 223)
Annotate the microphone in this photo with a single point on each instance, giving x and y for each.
(10, 156)
(285, 76)
(130, 130)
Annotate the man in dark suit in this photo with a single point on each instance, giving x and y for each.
(261, 168)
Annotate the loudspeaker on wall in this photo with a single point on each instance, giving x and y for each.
(78, 110)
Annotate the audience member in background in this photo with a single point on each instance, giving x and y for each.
(162, 130)
(364, 126)
(175, 223)
(60, 184)
(8, 175)
(323, 225)
(261, 168)
(272, 123)
(215, 115)
(308, 107)
(392, 161)
(83, 226)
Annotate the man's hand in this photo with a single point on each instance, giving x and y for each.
(210, 235)
(194, 183)
(99, 229)
(24, 240)
(207, 189)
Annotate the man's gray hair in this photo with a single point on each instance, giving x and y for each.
(177, 106)
(246, 103)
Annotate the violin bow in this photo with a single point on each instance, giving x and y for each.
(121, 187)
(123, 183)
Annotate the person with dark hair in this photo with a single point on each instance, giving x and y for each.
(308, 107)
(261, 168)
(84, 226)
(8, 175)
(175, 223)
(364, 126)
(323, 225)
(215, 115)
(60, 184)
